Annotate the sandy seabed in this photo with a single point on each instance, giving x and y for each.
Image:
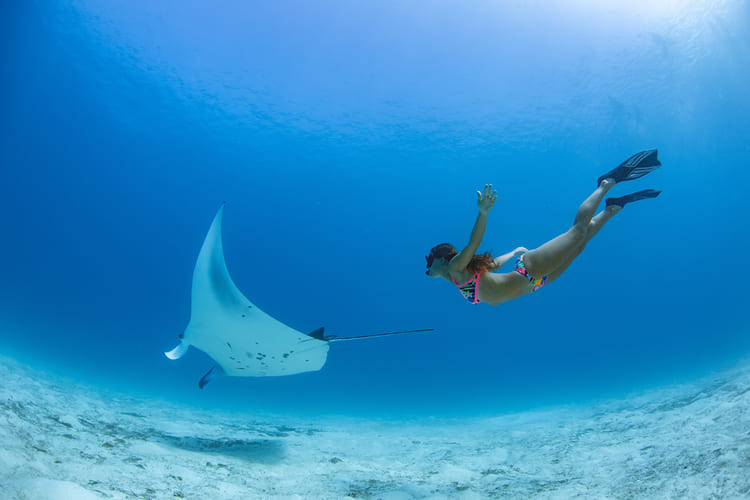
(60, 440)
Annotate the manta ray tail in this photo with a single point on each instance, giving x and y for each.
(178, 351)
(341, 339)
(212, 374)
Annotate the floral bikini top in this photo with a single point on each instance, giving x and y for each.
(469, 289)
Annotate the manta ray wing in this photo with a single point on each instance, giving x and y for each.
(243, 340)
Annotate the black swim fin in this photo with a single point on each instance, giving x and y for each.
(634, 167)
(628, 198)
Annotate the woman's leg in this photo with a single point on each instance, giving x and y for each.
(594, 226)
(553, 254)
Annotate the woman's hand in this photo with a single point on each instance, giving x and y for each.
(518, 251)
(487, 200)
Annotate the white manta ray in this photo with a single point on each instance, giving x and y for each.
(243, 340)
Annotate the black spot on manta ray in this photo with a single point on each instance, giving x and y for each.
(286, 354)
(230, 345)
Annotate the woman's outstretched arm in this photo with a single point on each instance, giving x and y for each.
(484, 203)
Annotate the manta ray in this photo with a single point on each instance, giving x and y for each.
(242, 339)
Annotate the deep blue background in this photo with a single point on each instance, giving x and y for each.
(348, 138)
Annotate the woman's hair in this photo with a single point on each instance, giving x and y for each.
(478, 264)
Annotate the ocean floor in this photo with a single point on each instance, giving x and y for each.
(59, 440)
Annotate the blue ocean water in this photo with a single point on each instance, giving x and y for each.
(347, 139)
